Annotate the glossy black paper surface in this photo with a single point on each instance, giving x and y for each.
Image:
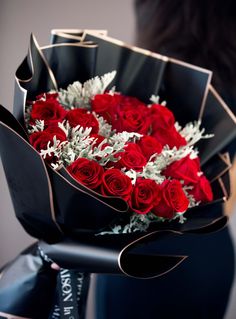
(50, 203)
(53, 207)
(27, 286)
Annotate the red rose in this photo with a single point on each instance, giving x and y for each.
(149, 146)
(145, 195)
(185, 169)
(133, 119)
(163, 128)
(173, 200)
(202, 190)
(132, 158)
(39, 140)
(162, 117)
(169, 137)
(83, 118)
(116, 183)
(87, 172)
(132, 116)
(106, 105)
(48, 110)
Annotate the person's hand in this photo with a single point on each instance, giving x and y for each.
(55, 266)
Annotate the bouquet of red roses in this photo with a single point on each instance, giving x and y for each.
(116, 145)
(109, 177)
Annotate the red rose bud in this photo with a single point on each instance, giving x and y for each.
(169, 136)
(202, 190)
(162, 117)
(132, 158)
(83, 118)
(173, 200)
(49, 110)
(116, 183)
(39, 140)
(106, 105)
(185, 169)
(87, 172)
(146, 194)
(149, 146)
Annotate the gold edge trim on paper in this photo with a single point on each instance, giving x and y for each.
(52, 209)
(10, 316)
(32, 65)
(82, 191)
(24, 96)
(220, 174)
(125, 45)
(225, 158)
(62, 167)
(223, 188)
(160, 57)
(216, 220)
(203, 105)
(87, 44)
(191, 66)
(139, 239)
(145, 51)
(224, 105)
(66, 33)
(53, 79)
(32, 69)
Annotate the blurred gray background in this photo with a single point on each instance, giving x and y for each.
(20, 18)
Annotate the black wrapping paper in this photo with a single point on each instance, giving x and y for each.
(27, 286)
(64, 214)
(186, 88)
(53, 207)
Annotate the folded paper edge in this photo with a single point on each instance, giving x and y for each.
(223, 104)
(209, 228)
(73, 33)
(90, 192)
(50, 73)
(225, 158)
(52, 209)
(180, 258)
